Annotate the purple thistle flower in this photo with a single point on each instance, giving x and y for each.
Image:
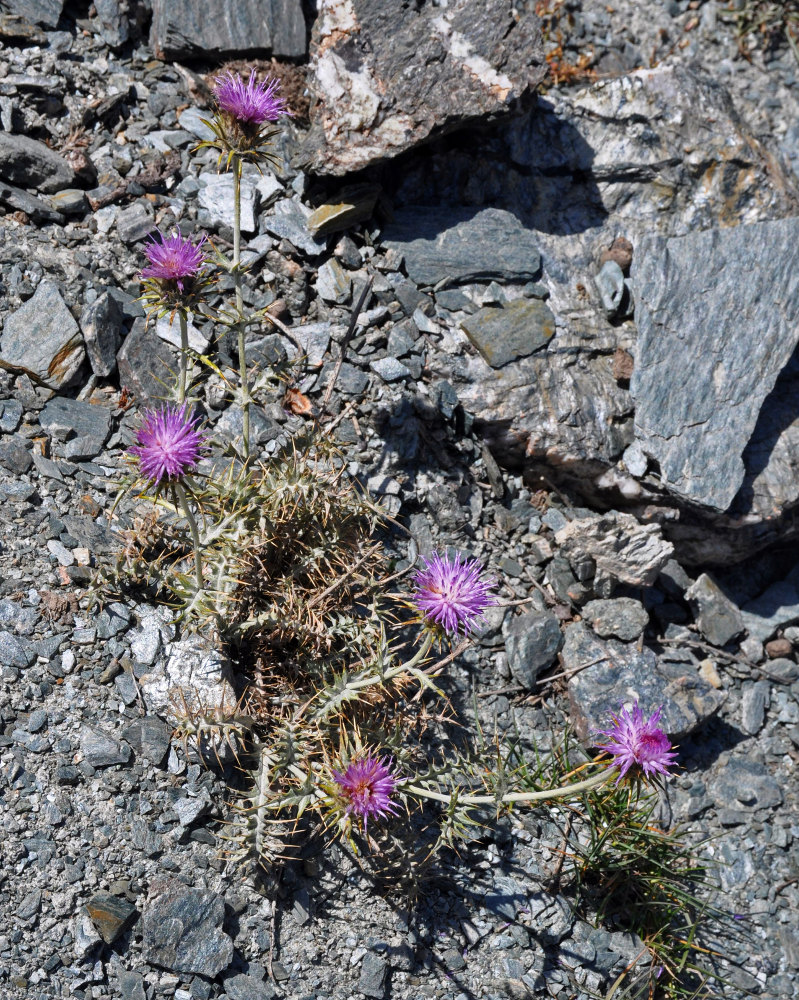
(168, 444)
(634, 741)
(452, 594)
(367, 786)
(250, 103)
(173, 259)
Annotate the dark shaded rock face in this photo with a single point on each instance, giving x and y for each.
(718, 319)
(184, 28)
(385, 77)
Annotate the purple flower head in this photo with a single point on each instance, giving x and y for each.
(366, 787)
(168, 444)
(452, 593)
(250, 103)
(173, 259)
(634, 741)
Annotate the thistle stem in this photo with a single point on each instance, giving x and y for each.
(195, 534)
(543, 795)
(245, 388)
(184, 350)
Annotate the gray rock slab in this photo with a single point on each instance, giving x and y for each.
(622, 548)
(15, 652)
(389, 369)
(15, 454)
(587, 172)
(181, 28)
(532, 642)
(10, 415)
(31, 164)
(150, 737)
(515, 331)
(182, 929)
(775, 608)
(101, 323)
(611, 673)
(719, 620)
(216, 197)
(101, 749)
(110, 914)
(146, 363)
(42, 335)
(372, 981)
(463, 245)
(20, 201)
(44, 12)
(288, 220)
(747, 784)
(63, 418)
(244, 987)
(701, 377)
(620, 618)
(135, 222)
(386, 77)
(754, 702)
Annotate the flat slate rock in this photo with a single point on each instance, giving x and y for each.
(182, 929)
(617, 673)
(718, 319)
(385, 77)
(31, 164)
(110, 914)
(463, 245)
(515, 331)
(42, 335)
(44, 12)
(184, 28)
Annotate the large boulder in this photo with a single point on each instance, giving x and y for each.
(385, 77)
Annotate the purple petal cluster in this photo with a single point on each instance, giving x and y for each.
(636, 742)
(452, 593)
(250, 103)
(366, 787)
(168, 444)
(173, 258)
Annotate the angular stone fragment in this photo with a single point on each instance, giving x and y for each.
(182, 28)
(719, 620)
(110, 914)
(775, 608)
(63, 418)
(182, 929)
(289, 220)
(609, 673)
(150, 737)
(532, 642)
(461, 245)
(31, 164)
(101, 323)
(102, 750)
(216, 197)
(42, 335)
(146, 363)
(44, 12)
(699, 394)
(354, 204)
(20, 201)
(135, 222)
(747, 784)
(621, 618)
(196, 671)
(622, 549)
(515, 331)
(386, 77)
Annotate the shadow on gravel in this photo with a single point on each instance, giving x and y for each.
(702, 749)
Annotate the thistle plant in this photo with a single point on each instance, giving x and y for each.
(339, 693)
